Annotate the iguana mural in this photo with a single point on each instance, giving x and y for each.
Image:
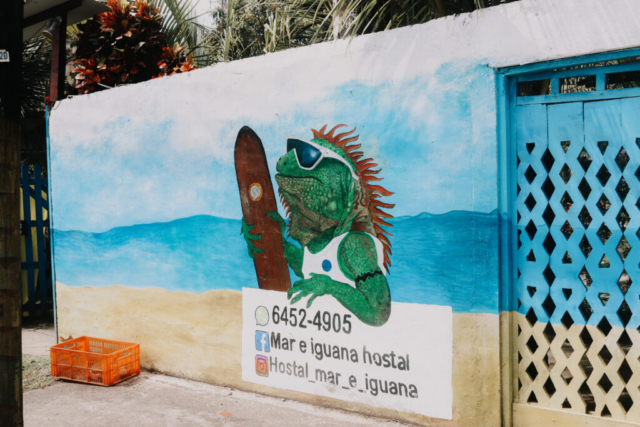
(334, 213)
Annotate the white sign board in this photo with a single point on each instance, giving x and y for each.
(404, 365)
(4, 55)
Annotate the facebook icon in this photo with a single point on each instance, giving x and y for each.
(262, 341)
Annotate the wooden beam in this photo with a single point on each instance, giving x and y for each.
(54, 11)
(58, 61)
(11, 12)
(440, 8)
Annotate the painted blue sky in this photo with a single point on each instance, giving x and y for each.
(434, 138)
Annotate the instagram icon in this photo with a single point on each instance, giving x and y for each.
(262, 365)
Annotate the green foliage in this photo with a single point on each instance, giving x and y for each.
(254, 27)
(249, 28)
(180, 25)
(332, 19)
(167, 37)
(238, 31)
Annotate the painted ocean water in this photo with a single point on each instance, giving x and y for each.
(448, 259)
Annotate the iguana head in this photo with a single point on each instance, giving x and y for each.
(325, 188)
(319, 184)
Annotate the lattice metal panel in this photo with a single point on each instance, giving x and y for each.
(578, 286)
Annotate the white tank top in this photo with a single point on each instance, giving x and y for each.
(326, 261)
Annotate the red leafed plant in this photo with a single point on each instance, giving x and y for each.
(125, 45)
(174, 61)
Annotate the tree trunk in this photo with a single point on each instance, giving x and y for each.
(10, 284)
(10, 280)
(440, 8)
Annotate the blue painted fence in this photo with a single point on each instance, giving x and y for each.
(36, 253)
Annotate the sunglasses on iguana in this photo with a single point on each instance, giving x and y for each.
(309, 154)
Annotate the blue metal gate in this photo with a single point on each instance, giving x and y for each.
(577, 274)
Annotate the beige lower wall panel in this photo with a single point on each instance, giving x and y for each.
(525, 415)
(198, 336)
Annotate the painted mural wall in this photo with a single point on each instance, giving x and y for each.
(163, 211)
(150, 199)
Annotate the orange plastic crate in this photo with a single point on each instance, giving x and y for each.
(95, 361)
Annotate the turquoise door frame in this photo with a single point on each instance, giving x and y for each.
(507, 80)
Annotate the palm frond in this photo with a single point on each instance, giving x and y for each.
(180, 24)
(36, 72)
(333, 19)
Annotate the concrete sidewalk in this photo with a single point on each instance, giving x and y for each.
(37, 341)
(158, 400)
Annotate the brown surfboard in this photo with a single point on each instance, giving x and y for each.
(257, 198)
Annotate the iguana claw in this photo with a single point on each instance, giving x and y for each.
(316, 285)
(249, 238)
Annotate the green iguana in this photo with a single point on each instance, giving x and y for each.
(334, 213)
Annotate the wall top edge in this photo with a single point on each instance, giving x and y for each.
(526, 32)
